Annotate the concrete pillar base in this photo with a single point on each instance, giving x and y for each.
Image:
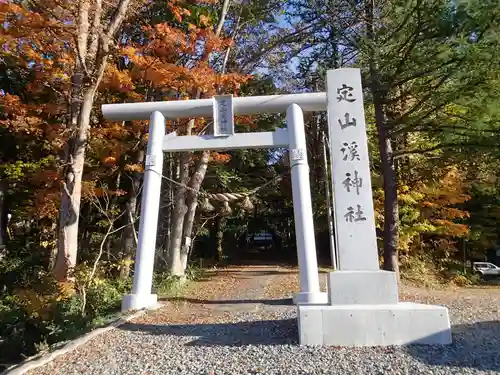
(363, 309)
(401, 323)
(139, 302)
(310, 298)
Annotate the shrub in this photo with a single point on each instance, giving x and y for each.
(41, 311)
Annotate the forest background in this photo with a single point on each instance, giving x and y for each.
(70, 181)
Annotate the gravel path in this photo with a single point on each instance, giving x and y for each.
(239, 335)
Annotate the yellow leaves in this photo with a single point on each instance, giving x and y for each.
(34, 304)
(429, 213)
(204, 20)
(66, 290)
(40, 301)
(407, 198)
(125, 263)
(128, 51)
(89, 190)
(134, 168)
(118, 80)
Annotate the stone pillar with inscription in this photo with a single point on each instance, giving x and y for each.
(357, 242)
(363, 303)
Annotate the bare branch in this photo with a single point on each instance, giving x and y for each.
(117, 18)
(403, 153)
(96, 30)
(132, 222)
(83, 32)
(220, 25)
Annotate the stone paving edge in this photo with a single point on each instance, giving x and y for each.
(44, 358)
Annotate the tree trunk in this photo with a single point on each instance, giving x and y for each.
(183, 215)
(3, 218)
(179, 211)
(165, 217)
(71, 192)
(192, 204)
(92, 48)
(391, 209)
(219, 237)
(129, 235)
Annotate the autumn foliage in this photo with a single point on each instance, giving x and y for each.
(432, 217)
(169, 62)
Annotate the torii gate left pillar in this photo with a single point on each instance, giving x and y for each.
(225, 139)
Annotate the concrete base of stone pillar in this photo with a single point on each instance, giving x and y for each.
(364, 310)
(139, 302)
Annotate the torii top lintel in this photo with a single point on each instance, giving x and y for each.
(248, 105)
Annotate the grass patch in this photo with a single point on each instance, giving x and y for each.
(424, 272)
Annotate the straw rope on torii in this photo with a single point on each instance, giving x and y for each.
(226, 198)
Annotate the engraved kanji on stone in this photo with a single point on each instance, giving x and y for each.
(353, 182)
(223, 119)
(354, 216)
(350, 151)
(348, 121)
(344, 93)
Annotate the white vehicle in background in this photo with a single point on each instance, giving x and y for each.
(487, 269)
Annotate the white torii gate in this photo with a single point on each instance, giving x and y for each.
(362, 305)
(223, 139)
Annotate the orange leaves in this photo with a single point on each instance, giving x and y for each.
(47, 203)
(454, 213)
(90, 191)
(109, 161)
(172, 38)
(139, 127)
(177, 11)
(247, 122)
(112, 130)
(21, 118)
(220, 158)
(12, 105)
(449, 228)
(117, 80)
(156, 62)
(46, 178)
(440, 200)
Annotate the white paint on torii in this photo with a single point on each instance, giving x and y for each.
(248, 105)
(275, 139)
